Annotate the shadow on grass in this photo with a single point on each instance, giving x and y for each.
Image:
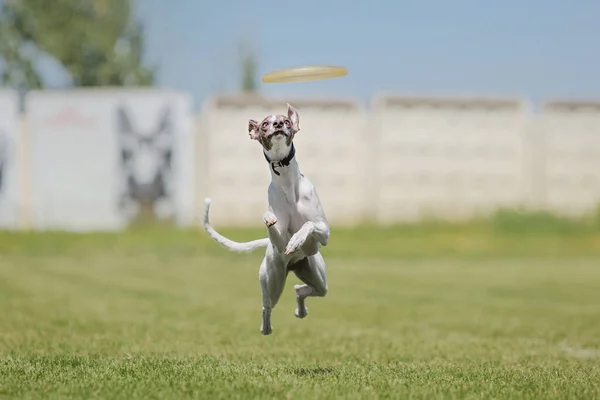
(314, 371)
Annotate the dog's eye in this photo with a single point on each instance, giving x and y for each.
(287, 123)
(265, 125)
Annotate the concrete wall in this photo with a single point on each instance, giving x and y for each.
(401, 159)
(330, 151)
(92, 152)
(10, 167)
(570, 168)
(450, 158)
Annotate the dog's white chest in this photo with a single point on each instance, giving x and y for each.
(297, 203)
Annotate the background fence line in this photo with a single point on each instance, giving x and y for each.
(404, 158)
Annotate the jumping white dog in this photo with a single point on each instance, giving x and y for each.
(296, 223)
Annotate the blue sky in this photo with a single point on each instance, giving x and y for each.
(537, 49)
(534, 48)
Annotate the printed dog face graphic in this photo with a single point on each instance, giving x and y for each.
(146, 160)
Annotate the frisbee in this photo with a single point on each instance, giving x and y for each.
(304, 73)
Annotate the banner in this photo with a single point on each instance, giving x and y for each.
(103, 159)
(9, 166)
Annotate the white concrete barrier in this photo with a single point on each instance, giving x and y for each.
(96, 154)
(10, 167)
(448, 157)
(85, 159)
(571, 166)
(329, 151)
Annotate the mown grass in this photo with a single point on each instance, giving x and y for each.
(496, 309)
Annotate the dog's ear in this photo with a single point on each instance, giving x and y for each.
(294, 117)
(253, 129)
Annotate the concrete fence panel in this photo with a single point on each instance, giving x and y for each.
(11, 168)
(328, 151)
(99, 158)
(94, 159)
(571, 148)
(449, 158)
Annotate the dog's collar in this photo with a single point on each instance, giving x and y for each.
(283, 163)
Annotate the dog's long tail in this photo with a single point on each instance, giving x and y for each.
(245, 247)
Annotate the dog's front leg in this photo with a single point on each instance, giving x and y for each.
(275, 231)
(318, 230)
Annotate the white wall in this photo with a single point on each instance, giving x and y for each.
(76, 176)
(448, 158)
(235, 173)
(329, 149)
(10, 171)
(402, 159)
(570, 139)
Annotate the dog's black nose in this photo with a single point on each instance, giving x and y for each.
(278, 124)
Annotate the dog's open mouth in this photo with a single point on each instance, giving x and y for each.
(277, 133)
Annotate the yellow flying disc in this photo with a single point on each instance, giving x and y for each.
(304, 74)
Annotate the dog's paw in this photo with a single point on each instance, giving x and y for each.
(302, 292)
(299, 238)
(266, 330)
(265, 327)
(294, 244)
(269, 219)
(296, 241)
(301, 312)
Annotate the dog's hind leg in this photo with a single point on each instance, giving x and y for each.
(272, 279)
(312, 273)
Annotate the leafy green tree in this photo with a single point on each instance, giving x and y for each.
(96, 41)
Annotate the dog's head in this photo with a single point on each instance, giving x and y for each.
(275, 133)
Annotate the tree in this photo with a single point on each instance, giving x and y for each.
(249, 72)
(96, 41)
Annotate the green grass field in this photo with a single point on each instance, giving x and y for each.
(415, 312)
